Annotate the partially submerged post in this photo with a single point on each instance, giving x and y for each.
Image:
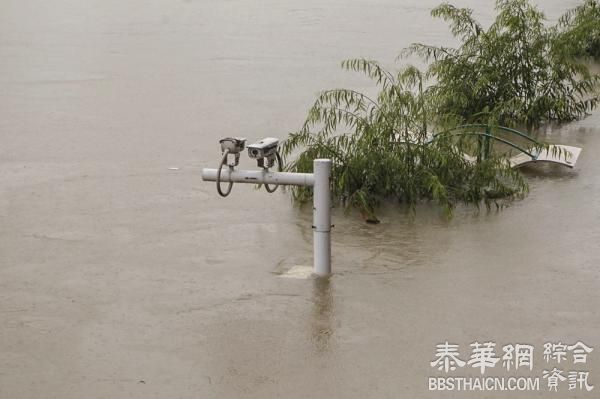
(322, 217)
(319, 180)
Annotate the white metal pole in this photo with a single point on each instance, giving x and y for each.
(259, 177)
(319, 180)
(322, 217)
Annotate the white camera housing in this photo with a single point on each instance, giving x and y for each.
(235, 145)
(265, 148)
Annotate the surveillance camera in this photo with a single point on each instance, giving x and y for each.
(266, 148)
(235, 145)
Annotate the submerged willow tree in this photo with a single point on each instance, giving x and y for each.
(399, 144)
(518, 72)
(384, 148)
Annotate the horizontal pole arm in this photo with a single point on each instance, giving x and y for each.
(260, 177)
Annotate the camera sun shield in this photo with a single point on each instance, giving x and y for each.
(265, 148)
(235, 145)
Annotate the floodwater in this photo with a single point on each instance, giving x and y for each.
(123, 278)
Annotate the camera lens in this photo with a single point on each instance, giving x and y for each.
(254, 152)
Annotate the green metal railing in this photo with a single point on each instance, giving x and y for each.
(486, 139)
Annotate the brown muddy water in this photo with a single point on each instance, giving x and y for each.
(121, 278)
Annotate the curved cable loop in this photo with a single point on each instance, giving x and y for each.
(280, 169)
(223, 162)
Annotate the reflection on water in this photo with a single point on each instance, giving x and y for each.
(321, 324)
